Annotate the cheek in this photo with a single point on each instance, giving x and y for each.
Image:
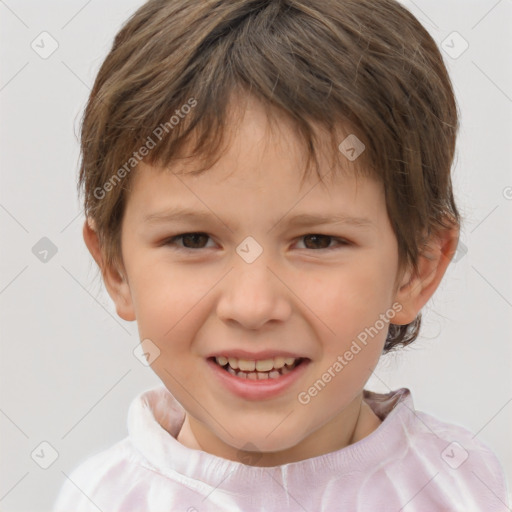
(349, 299)
(164, 302)
(161, 287)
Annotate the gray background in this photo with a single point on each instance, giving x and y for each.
(67, 369)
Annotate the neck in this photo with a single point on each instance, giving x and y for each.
(350, 426)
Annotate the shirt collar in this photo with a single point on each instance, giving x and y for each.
(155, 418)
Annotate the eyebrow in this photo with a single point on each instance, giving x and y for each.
(303, 219)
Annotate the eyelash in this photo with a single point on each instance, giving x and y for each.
(172, 241)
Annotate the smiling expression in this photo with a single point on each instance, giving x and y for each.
(244, 270)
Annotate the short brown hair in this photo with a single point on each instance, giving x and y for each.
(364, 64)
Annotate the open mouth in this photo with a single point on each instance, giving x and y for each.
(258, 370)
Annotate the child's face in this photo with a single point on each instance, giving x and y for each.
(301, 297)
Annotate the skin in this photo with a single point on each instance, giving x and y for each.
(301, 295)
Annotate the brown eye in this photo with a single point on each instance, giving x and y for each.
(190, 241)
(193, 240)
(322, 242)
(317, 241)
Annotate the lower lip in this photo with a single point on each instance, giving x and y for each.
(257, 389)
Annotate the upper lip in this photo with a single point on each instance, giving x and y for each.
(255, 356)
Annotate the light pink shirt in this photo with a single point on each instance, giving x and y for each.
(411, 463)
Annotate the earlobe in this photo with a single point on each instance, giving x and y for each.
(115, 282)
(416, 288)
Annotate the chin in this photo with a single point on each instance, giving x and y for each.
(261, 441)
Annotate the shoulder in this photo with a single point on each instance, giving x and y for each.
(125, 473)
(455, 445)
(468, 463)
(91, 483)
(456, 468)
(458, 448)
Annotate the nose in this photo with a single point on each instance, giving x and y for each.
(253, 294)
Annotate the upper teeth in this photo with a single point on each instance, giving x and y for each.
(263, 365)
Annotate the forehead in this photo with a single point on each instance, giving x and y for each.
(258, 202)
(248, 120)
(254, 131)
(261, 168)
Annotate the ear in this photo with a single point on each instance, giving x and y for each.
(416, 289)
(115, 282)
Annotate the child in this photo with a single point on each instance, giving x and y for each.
(205, 123)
